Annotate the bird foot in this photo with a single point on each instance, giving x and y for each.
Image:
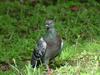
(50, 71)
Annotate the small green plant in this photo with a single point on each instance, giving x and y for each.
(21, 25)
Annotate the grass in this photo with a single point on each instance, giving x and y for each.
(72, 62)
(21, 25)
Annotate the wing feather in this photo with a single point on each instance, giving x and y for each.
(41, 46)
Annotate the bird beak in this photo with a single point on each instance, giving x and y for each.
(46, 25)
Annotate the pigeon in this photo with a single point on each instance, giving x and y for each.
(48, 46)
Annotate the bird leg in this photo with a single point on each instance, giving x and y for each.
(49, 70)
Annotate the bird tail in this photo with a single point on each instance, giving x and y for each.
(35, 61)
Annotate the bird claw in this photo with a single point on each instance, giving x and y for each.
(50, 71)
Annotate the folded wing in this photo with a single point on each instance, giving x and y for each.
(39, 52)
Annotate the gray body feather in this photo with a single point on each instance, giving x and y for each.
(48, 47)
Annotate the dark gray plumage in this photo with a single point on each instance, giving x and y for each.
(48, 47)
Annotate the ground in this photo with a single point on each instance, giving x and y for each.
(21, 25)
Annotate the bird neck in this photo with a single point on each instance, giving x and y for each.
(51, 34)
(51, 30)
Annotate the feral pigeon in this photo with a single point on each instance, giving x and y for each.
(48, 47)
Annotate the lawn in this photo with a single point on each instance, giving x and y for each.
(21, 25)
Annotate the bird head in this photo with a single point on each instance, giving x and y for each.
(49, 24)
